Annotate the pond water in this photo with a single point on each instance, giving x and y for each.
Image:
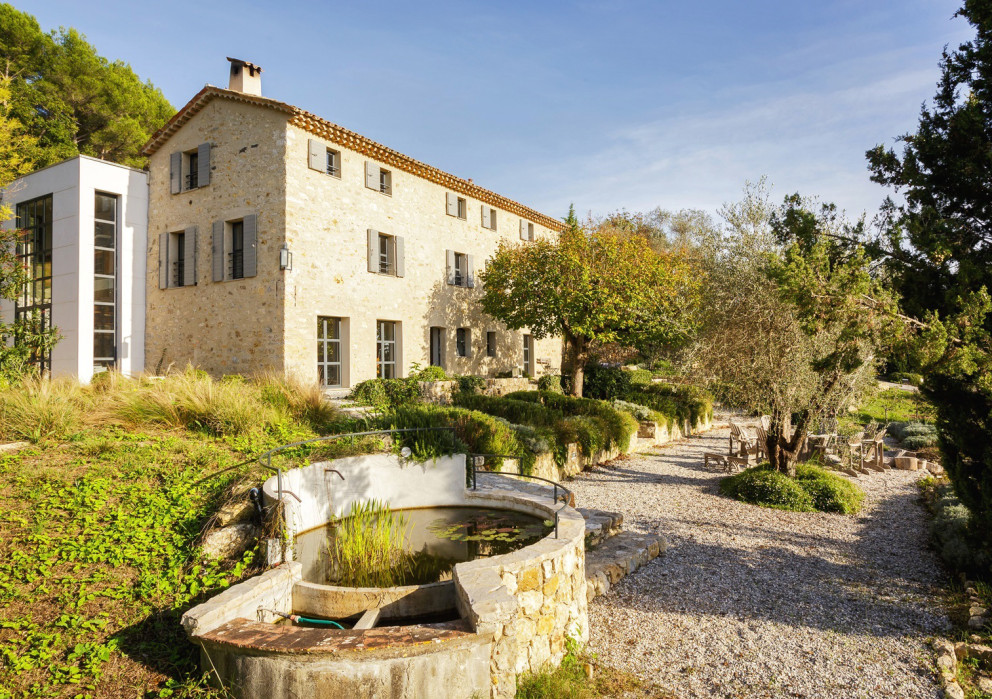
(425, 544)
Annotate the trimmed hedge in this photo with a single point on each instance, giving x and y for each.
(620, 425)
(674, 404)
(813, 489)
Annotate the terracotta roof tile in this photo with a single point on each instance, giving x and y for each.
(353, 141)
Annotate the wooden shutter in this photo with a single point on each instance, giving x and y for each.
(399, 256)
(485, 216)
(450, 258)
(189, 257)
(163, 261)
(250, 258)
(452, 204)
(371, 175)
(318, 156)
(523, 230)
(373, 250)
(470, 271)
(176, 172)
(468, 342)
(203, 164)
(217, 250)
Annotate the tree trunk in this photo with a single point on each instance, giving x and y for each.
(785, 442)
(575, 359)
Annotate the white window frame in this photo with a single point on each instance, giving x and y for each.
(386, 369)
(325, 342)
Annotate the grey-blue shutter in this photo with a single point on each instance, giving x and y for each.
(372, 175)
(399, 256)
(373, 250)
(470, 272)
(176, 172)
(189, 257)
(316, 162)
(217, 251)
(450, 259)
(452, 204)
(250, 259)
(203, 165)
(163, 261)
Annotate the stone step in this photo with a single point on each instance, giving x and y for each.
(618, 557)
(600, 525)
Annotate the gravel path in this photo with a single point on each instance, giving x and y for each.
(753, 602)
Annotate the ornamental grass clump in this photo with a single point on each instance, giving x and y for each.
(40, 408)
(812, 489)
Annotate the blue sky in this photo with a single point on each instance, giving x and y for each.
(606, 104)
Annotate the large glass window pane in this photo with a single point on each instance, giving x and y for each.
(105, 207)
(104, 234)
(103, 289)
(103, 317)
(103, 262)
(103, 346)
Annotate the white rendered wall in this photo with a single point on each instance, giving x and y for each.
(73, 184)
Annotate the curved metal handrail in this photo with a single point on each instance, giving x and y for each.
(567, 498)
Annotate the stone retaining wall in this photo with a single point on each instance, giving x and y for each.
(440, 392)
(530, 601)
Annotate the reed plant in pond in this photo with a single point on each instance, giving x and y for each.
(366, 547)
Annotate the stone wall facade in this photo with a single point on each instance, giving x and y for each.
(259, 165)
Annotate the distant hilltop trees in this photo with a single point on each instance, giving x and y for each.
(71, 99)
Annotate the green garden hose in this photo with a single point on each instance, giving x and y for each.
(296, 618)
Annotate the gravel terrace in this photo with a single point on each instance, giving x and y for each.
(754, 602)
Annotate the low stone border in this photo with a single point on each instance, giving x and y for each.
(617, 558)
(979, 615)
(947, 665)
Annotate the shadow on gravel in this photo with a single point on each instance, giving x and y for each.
(882, 585)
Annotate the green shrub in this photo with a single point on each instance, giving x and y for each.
(618, 426)
(812, 489)
(908, 377)
(428, 373)
(385, 394)
(471, 384)
(605, 383)
(550, 382)
(641, 413)
(640, 376)
(953, 531)
(40, 408)
(517, 409)
(919, 441)
(914, 429)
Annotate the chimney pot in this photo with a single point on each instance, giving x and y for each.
(245, 77)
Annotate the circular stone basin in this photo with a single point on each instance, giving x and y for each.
(434, 540)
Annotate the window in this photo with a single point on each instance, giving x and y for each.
(456, 206)
(333, 163)
(378, 179)
(386, 254)
(234, 246)
(491, 343)
(190, 169)
(528, 355)
(179, 263)
(237, 254)
(105, 281)
(488, 217)
(460, 269)
(437, 346)
(324, 159)
(463, 342)
(385, 350)
(329, 352)
(177, 258)
(526, 230)
(33, 304)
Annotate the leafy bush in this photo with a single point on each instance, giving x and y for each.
(385, 394)
(550, 382)
(605, 383)
(640, 376)
(953, 530)
(428, 373)
(677, 404)
(618, 426)
(641, 413)
(919, 441)
(471, 384)
(908, 377)
(813, 489)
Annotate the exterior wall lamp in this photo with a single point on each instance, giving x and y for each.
(285, 257)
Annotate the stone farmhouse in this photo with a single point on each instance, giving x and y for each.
(279, 241)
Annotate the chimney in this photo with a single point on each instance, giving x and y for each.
(245, 77)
